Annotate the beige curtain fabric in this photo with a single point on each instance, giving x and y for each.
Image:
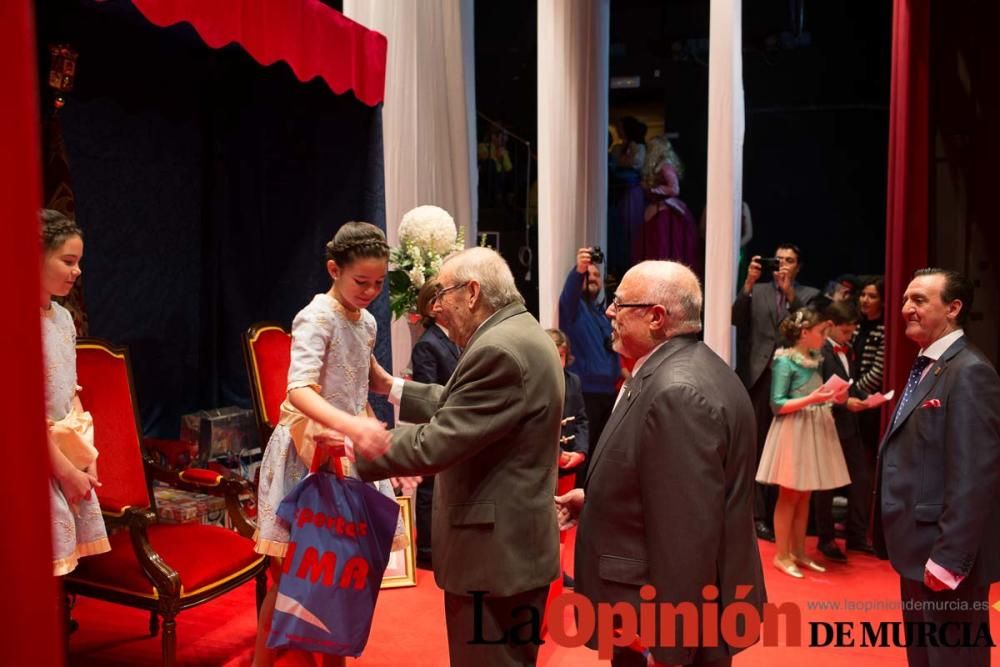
(428, 118)
(572, 139)
(725, 174)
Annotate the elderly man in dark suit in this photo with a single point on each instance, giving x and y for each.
(757, 312)
(432, 361)
(668, 497)
(938, 483)
(491, 434)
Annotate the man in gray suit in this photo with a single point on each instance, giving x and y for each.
(938, 479)
(668, 497)
(757, 312)
(491, 435)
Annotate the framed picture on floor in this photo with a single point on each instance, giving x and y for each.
(402, 568)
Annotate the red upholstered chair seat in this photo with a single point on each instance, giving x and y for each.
(202, 555)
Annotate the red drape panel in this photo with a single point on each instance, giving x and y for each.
(30, 633)
(906, 232)
(312, 38)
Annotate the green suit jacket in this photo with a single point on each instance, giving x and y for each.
(491, 437)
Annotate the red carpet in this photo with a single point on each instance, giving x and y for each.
(409, 625)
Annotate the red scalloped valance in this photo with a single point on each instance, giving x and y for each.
(312, 38)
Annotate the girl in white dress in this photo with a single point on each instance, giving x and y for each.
(77, 525)
(802, 452)
(332, 342)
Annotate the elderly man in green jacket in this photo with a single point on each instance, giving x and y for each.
(491, 435)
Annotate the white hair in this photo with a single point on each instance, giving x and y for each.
(675, 287)
(490, 270)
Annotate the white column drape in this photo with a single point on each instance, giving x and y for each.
(428, 117)
(573, 51)
(725, 173)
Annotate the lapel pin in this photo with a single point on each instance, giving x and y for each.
(937, 371)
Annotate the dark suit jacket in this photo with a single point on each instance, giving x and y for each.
(846, 421)
(492, 437)
(756, 320)
(579, 428)
(669, 493)
(434, 357)
(938, 484)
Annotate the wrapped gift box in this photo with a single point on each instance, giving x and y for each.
(220, 431)
(176, 506)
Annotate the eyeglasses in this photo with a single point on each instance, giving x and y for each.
(618, 305)
(444, 290)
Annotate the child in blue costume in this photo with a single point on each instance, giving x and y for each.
(332, 342)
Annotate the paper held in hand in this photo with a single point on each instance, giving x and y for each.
(877, 399)
(836, 384)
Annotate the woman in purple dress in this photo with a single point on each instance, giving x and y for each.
(669, 230)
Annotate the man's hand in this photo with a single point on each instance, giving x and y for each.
(753, 274)
(933, 583)
(379, 382)
(783, 281)
(568, 508)
(583, 260)
(369, 437)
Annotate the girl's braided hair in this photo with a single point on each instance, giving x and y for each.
(356, 240)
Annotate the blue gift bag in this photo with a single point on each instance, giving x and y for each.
(341, 534)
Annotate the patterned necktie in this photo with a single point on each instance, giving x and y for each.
(911, 383)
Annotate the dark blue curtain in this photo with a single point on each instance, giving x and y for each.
(206, 186)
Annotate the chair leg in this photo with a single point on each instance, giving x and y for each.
(71, 626)
(169, 641)
(154, 623)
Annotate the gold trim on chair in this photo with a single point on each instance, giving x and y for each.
(256, 369)
(224, 580)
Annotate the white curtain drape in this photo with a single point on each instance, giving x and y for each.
(573, 51)
(725, 173)
(428, 118)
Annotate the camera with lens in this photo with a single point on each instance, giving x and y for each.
(596, 255)
(770, 264)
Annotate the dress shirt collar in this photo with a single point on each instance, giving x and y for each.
(941, 345)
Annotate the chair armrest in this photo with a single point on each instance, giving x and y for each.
(210, 482)
(165, 579)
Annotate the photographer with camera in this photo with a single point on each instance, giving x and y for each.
(581, 317)
(757, 312)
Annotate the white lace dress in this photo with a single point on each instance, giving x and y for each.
(79, 531)
(331, 351)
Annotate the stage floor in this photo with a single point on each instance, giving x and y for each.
(409, 625)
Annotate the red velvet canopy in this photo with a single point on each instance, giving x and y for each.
(312, 38)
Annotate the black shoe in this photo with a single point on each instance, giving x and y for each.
(568, 581)
(862, 547)
(764, 531)
(832, 552)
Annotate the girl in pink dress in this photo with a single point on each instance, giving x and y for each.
(669, 230)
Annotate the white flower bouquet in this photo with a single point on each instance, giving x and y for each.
(427, 234)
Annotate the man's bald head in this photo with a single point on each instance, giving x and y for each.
(675, 287)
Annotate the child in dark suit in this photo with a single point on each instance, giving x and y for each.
(839, 359)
